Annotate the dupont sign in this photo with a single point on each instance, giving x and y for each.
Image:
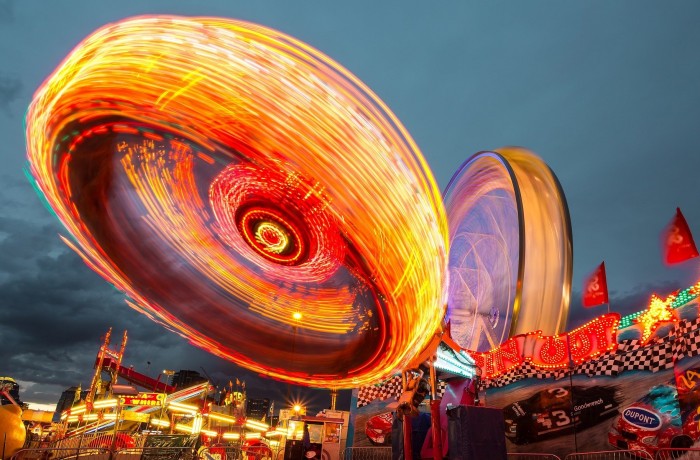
(641, 418)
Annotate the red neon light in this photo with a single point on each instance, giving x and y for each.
(551, 352)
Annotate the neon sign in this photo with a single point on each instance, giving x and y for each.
(143, 399)
(551, 352)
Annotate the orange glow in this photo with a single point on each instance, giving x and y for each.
(224, 176)
(658, 312)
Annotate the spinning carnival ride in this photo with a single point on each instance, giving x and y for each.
(195, 164)
(248, 192)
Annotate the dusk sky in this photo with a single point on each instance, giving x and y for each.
(607, 93)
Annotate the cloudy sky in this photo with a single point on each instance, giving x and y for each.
(607, 93)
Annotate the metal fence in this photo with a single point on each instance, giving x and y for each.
(234, 453)
(611, 455)
(105, 440)
(366, 453)
(531, 456)
(692, 453)
(53, 453)
(155, 453)
(220, 453)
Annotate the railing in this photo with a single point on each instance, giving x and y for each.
(692, 453)
(611, 455)
(102, 440)
(155, 453)
(366, 453)
(531, 456)
(234, 453)
(45, 453)
(220, 453)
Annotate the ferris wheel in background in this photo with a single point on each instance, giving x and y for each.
(510, 258)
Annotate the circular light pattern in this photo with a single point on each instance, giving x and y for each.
(244, 197)
(509, 273)
(248, 192)
(272, 237)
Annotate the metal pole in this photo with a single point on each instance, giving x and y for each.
(571, 390)
(407, 447)
(90, 397)
(406, 423)
(80, 440)
(435, 414)
(119, 361)
(334, 397)
(116, 424)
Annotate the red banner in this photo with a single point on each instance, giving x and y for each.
(595, 289)
(678, 242)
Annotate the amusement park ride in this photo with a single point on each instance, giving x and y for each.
(11, 424)
(122, 413)
(251, 194)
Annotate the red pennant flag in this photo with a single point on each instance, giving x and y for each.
(595, 289)
(678, 241)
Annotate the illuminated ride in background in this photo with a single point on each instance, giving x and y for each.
(11, 424)
(510, 249)
(247, 192)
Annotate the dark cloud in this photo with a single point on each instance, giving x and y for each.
(10, 88)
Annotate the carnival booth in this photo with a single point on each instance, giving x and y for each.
(320, 438)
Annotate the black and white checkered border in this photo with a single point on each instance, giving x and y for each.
(390, 388)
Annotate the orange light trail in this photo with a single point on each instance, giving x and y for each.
(226, 176)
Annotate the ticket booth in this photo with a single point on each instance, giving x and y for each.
(314, 438)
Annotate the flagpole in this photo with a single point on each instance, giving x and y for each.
(572, 367)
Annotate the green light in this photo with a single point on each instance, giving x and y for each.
(683, 298)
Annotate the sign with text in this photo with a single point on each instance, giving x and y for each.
(551, 352)
(143, 399)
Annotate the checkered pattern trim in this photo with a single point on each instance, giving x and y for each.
(639, 358)
(442, 386)
(390, 388)
(688, 327)
(607, 365)
(502, 381)
(692, 343)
